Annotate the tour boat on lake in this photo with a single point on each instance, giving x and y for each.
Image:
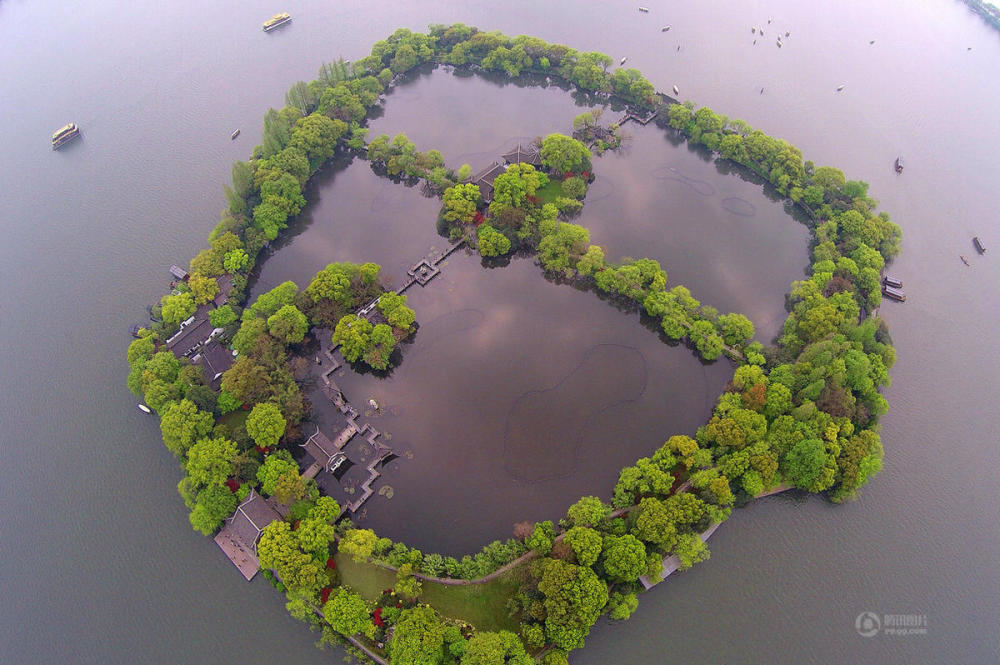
(980, 247)
(232, 137)
(894, 293)
(899, 165)
(277, 21)
(64, 135)
(143, 408)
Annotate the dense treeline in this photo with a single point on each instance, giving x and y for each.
(803, 412)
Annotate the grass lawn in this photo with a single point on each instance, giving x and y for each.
(234, 419)
(482, 605)
(368, 580)
(549, 192)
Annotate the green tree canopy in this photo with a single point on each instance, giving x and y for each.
(348, 614)
(176, 308)
(288, 324)
(182, 424)
(488, 648)
(564, 154)
(418, 638)
(265, 424)
(574, 597)
(210, 461)
(623, 557)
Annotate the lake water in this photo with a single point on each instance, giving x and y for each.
(101, 564)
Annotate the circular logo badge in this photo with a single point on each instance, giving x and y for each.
(868, 624)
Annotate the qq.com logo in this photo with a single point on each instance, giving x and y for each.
(868, 624)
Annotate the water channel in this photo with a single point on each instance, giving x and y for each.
(101, 564)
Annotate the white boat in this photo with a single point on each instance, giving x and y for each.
(839, 88)
(623, 61)
(144, 408)
(64, 135)
(665, 28)
(644, 10)
(677, 90)
(232, 137)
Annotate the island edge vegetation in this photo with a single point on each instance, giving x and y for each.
(800, 413)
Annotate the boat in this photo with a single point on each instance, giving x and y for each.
(893, 282)
(753, 30)
(871, 42)
(677, 90)
(779, 43)
(665, 28)
(964, 260)
(143, 408)
(277, 21)
(234, 135)
(980, 247)
(840, 87)
(644, 10)
(899, 165)
(894, 293)
(623, 61)
(64, 135)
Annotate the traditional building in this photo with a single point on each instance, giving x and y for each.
(238, 538)
(522, 155)
(485, 179)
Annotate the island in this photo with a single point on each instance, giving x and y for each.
(224, 375)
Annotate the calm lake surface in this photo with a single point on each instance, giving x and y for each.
(101, 563)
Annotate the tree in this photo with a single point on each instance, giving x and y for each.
(176, 308)
(222, 317)
(654, 524)
(347, 613)
(418, 638)
(706, 339)
(407, 585)
(265, 424)
(314, 537)
(564, 154)
(643, 478)
(394, 309)
(622, 605)
(541, 537)
(587, 511)
(270, 218)
(288, 324)
(574, 597)
(316, 135)
(736, 329)
(381, 344)
(690, 549)
(488, 648)
(210, 461)
(214, 504)
(203, 289)
(810, 466)
(271, 472)
(353, 334)
(235, 261)
(586, 544)
(359, 543)
(182, 424)
(460, 203)
(492, 243)
(624, 558)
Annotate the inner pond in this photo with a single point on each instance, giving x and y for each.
(519, 395)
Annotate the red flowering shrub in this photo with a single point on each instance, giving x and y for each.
(324, 595)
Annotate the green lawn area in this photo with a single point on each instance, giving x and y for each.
(482, 605)
(234, 419)
(549, 192)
